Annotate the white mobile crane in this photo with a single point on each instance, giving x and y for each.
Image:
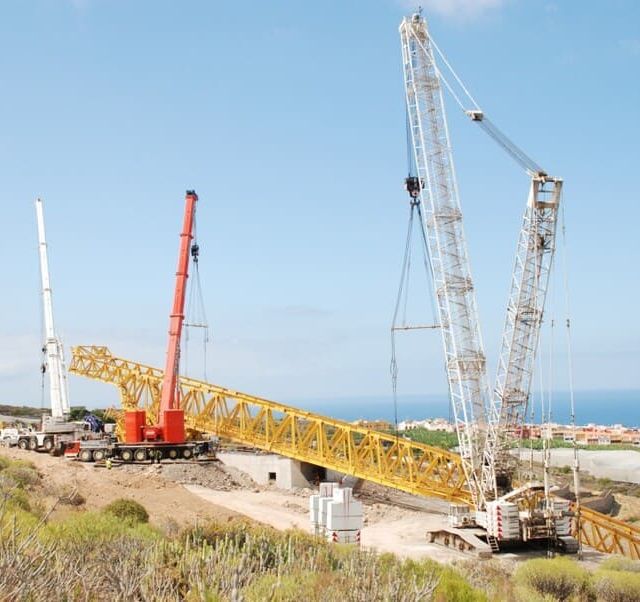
(485, 422)
(56, 428)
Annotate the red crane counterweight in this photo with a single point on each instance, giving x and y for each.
(170, 427)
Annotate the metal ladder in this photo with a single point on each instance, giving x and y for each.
(493, 543)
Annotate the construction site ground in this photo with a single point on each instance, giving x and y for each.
(180, 494)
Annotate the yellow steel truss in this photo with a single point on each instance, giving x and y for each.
(608, 534)
(270, 426)
(334, 444)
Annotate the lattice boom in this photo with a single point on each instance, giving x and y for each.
(337, 445)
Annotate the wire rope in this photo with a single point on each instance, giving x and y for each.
(196, 308)
(572, 406)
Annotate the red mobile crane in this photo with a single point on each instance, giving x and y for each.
(170, 427)
(166, 439)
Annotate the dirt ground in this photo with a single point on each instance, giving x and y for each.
(186, 493)
(165, 500)
(181, 494)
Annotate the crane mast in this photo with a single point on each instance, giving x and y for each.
(435, 185)
(52, 348)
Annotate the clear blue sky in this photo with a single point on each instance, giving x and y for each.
(288, 120)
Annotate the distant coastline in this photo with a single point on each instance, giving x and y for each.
(592, 407)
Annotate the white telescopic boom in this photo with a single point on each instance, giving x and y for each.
(59, 397)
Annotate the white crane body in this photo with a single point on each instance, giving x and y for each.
(52, 348)
(485, 423)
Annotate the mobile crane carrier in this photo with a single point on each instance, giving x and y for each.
(166, 439)
(56, 429)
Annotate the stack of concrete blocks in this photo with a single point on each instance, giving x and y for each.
(503, 520)
(563, 522)
(317, 511)
(336, 515)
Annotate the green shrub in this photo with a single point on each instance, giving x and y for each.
(285, 588)
(128, 510)
(87, 528)
(17, 498)
(454, 587)
(560, 578)
(4, 462)
(18, 520)
(23, 476)
(620, 563)
(493, 577)
(617, 586)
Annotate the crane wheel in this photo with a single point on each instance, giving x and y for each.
(140, 455)
(85, 455)
(126, 455)
(23, 444)
(187, 453)
(33, 444)
(48, 444)
(173, 454)
(98, 455)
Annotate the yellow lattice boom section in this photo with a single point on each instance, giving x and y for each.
(379, 457)
(608, 534)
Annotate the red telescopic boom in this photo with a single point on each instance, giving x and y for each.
(170, 395)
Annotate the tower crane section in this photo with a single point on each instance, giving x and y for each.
(383, 458)
(434, 183)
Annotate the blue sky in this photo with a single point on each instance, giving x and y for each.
(288, 119)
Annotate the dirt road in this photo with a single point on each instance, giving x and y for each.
(387, 528)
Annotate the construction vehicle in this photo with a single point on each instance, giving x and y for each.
(165, 439)
(498, 513)
(56, 429)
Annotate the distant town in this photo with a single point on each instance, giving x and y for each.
(590, 434)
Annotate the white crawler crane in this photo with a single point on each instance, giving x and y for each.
(485, 422)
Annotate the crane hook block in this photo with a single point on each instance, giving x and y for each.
(475, 114)
(413, 186)
(195, 251)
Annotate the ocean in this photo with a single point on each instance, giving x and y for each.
(598, 407)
